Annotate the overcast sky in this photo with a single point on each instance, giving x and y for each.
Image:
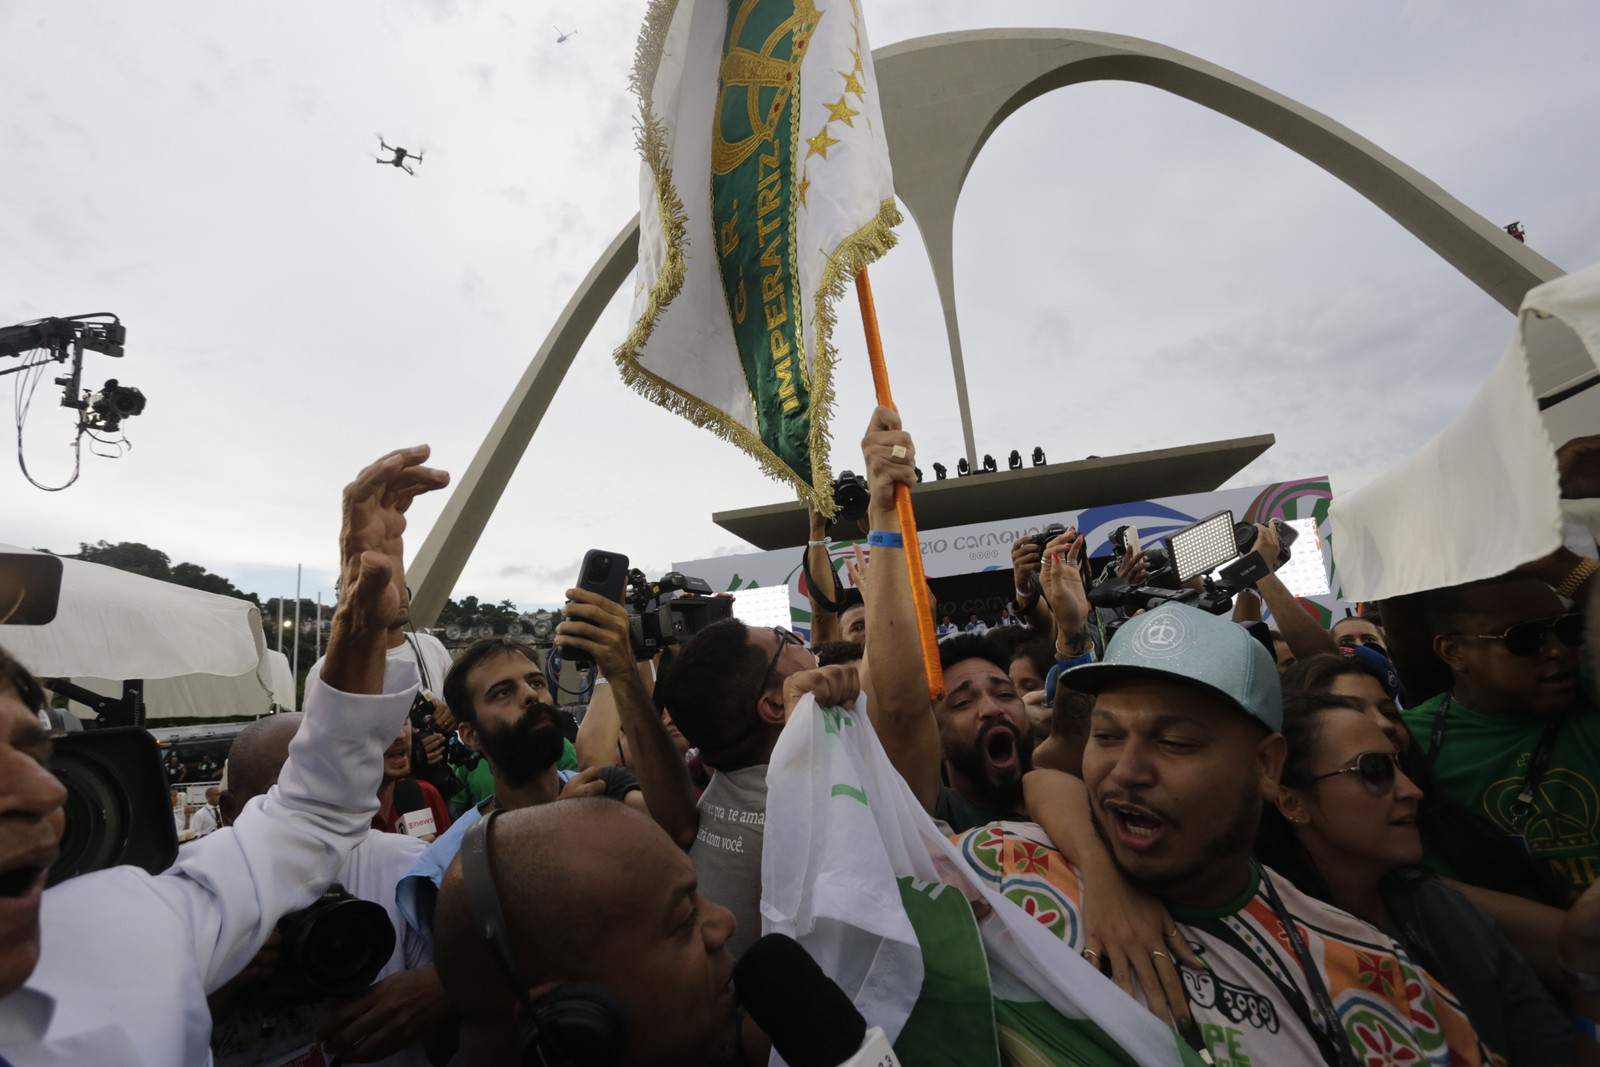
(1133, 271)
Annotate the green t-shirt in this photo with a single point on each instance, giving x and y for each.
(478, 783)
(1483, 760)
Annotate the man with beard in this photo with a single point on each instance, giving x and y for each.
(501, 699)
(984, 735)
(964, 760)
(1183, 745)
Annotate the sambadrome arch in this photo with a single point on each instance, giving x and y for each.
(942, 97)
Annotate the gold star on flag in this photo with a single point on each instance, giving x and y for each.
(841, 112)
(805, 183)
(821, 143)
(852, 84)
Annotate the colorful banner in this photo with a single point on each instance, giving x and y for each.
(978, 547)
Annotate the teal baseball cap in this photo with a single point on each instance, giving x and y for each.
(1183, 644)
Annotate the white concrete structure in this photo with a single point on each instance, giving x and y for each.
(942, 98)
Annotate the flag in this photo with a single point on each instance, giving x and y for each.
(855, 870)
(765, 188)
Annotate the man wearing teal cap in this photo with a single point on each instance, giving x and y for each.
(1183, 747)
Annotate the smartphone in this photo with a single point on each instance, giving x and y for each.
(30, 588)
(605, 573)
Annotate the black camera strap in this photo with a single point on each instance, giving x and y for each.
(835, 606)
(1532, 778)
(422, 668)
(1326, 1029)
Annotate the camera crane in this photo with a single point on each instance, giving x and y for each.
(40, 342)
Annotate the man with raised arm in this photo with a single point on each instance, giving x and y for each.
(114, 967)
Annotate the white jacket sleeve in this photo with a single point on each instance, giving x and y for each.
(287, 846)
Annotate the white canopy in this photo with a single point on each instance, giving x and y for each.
(1483, 496)
(201, 655)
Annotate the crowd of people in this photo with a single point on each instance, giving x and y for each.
(1370, 843)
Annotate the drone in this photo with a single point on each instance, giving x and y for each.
(562, 35)
(400, 156)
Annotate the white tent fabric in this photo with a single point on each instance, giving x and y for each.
(116, 625)
(1482, 497)
(210, 696)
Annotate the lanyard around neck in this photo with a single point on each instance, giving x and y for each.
(1327, 1031)
(1538, 762)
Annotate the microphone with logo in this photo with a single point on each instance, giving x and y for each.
(810, 1020)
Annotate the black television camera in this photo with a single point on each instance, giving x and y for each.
(456, 751)
(660, 619)
(1194, 552)
(334, 948)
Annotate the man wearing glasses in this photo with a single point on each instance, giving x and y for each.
(725, 691)
(1517, 736)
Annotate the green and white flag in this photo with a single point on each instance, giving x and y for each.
(765, 188)
(857, 872)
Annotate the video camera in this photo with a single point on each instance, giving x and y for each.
(1194, 552)
(659, 619)
(456, 751)
(334, 948)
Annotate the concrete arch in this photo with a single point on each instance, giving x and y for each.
(943, 96)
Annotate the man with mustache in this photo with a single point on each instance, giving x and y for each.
(1184, 743)
(501, 699)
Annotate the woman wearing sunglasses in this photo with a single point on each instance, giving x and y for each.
(1345, 830)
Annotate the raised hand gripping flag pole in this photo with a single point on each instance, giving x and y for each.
(766, 187)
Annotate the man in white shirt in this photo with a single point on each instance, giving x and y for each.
(208, 818)
(114, 967)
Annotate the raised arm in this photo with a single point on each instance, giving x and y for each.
(894, 678)
(598, 626)
(287, 846)
(1303, 634)
(819, 569)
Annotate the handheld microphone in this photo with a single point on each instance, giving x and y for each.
(805, 1013)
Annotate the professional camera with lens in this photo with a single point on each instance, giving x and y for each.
(1203, 564)
(456, 751)
(334, 948)
(850, 496)
(1048, 534)
(660, 619)
(114, 403)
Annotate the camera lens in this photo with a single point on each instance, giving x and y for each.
(98, 815)
(343, 946)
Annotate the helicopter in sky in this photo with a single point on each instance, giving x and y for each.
(400, 156)
(562, 35)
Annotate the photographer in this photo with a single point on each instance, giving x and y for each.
(405, 1000)
(1303, 634)
(118, 966)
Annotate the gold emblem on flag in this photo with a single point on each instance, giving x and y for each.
(751, 72)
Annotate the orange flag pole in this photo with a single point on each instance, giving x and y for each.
(902, 499)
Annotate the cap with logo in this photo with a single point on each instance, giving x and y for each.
(1184, 644)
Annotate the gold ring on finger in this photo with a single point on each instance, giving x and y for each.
(1171, 933)
(1161, 954)
(897, 452)
(1091, 955)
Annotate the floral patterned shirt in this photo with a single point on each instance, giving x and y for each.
(1253, 1004)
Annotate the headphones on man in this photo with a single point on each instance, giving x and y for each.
(577, 1024)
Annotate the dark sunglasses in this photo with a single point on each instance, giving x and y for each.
(1527, 638)
(1377, 770)
(785, 639)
